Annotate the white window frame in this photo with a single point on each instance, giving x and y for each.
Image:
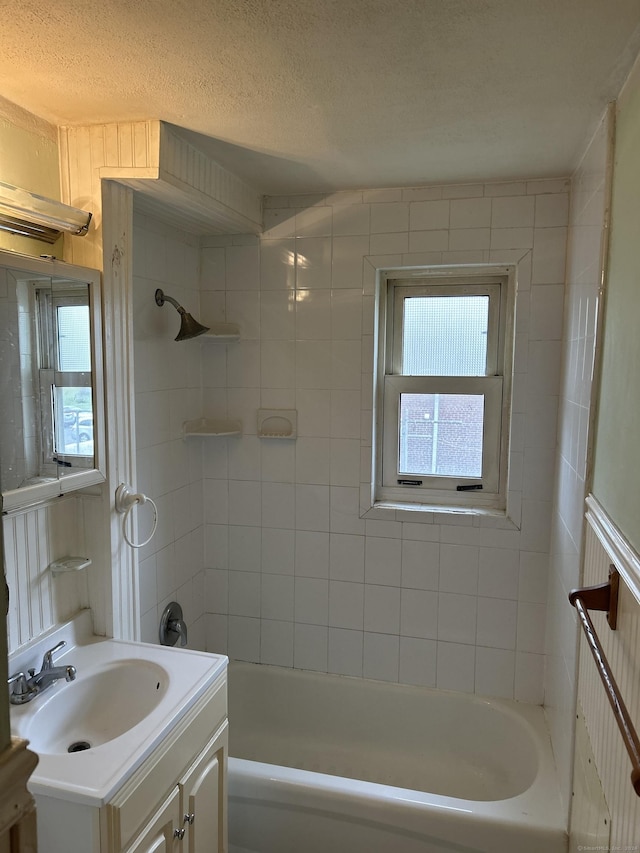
(496, 281)
(50, 376)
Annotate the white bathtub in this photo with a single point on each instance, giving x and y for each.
(327, 764)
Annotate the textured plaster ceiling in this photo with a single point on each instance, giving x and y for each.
(312, 95)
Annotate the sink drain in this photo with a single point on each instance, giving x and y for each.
(79, 746)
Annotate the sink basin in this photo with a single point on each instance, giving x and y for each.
(96, 708)
(91, 734)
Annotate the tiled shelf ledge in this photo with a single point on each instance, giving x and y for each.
(221, 333)
(210, 428)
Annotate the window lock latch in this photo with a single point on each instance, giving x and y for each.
(472, 487)
(409, 482)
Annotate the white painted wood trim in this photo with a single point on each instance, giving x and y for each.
(117, 225)
(622, 554)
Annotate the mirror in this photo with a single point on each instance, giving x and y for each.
(51, 436)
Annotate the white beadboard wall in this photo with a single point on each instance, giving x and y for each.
(295, 577)
(32, 540)
(588, 213)
(168, 384)
(621, 649)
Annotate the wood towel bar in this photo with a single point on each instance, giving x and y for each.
(605, 597)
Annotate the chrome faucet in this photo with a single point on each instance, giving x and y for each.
(25, 689)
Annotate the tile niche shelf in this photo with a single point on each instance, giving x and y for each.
(221, 333)
(211, 428)
(218, 333)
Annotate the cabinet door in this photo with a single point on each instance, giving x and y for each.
(158, 836)
(204, 798)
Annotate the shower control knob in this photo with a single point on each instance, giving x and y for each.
(179, 833)
(189, 818)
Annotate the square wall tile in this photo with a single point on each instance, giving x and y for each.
(244, 548)
(245, 502)
(383, 561)
(457, 618)
(496, 623)
(277, 315)
(312, 507)
(242, 267)
(418, 661)
(278, 505)
(420, 564)
(498, 573)
(278, 551)
(244, 638)
(389, 217)
(276, 597)
(471, 213)
(244, 594)
(495, 673)
(346, 557)
(313, 315)
(345, 652)
(314, 412)
(312, 601)
(513, 212)
(419, 614)
(459, 568)
(429, 215)
(277, 264)
(381, 657)
(310, 650)
(312, 554)
(313, 262)
(346, 605)
(216, 634)
(313, 457)
(347, 259)
(278, 461)
(314, 222)
(351, 219)
(455, 667)
(381, 609)
(276, 642)
(346, 314)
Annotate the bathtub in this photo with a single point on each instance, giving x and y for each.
(328, 764)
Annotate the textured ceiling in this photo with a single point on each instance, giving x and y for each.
(312, 95)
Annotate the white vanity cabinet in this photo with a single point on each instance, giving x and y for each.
(174, 802)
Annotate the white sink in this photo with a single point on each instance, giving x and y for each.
(92, 733)
(96, 708)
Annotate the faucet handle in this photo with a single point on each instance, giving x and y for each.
(18, 683)
(21, 690)
(47, 660)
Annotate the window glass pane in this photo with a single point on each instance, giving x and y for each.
(74, 344)
(73, 413)
(445, 335)
(441, 434)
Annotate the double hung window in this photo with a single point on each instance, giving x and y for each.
(65, 378)
(442, 389)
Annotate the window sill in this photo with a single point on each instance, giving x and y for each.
(435, 513)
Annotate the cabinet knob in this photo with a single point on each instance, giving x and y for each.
(189, 818)
(179, 833)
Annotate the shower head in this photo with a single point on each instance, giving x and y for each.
(189, 328)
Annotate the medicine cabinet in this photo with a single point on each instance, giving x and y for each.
(52, 414)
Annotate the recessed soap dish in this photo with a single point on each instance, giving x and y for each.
(277, 423)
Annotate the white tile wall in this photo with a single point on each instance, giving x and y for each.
(583, 279)
(443, 600)
(168, 383)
